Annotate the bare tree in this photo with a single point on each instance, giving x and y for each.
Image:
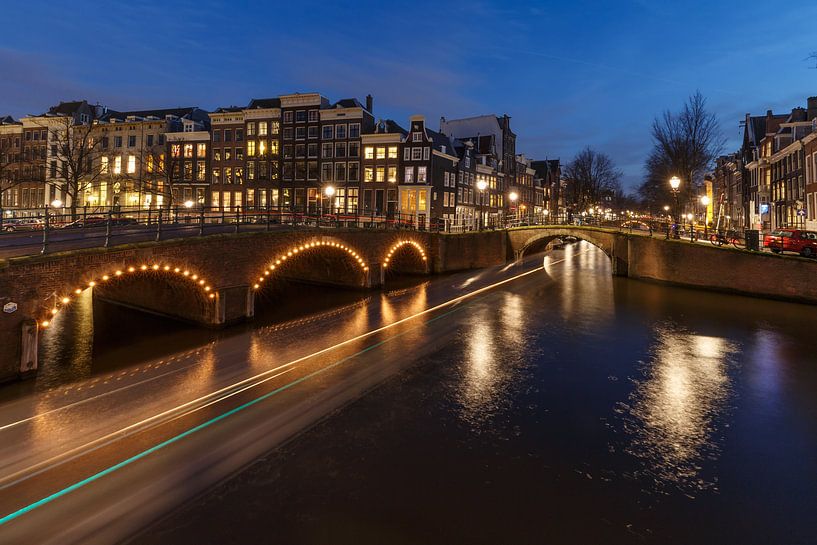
(78, 157)
(685, 144)
(591, 177)
(161, 171)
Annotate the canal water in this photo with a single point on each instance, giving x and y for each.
(570, 407)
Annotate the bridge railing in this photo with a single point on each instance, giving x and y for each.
(40, 230)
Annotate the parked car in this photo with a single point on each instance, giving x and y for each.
(792, 240)
(12, 225)
(90, 221)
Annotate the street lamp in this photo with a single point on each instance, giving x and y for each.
(675, 183)
(56, 203)
(481, 185)
(705, 202)
(329, 191)
(513, 196)
(188, 204)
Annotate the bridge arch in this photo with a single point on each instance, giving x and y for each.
(613, 243)
(167, 271)
(283, 257)
(399, 247)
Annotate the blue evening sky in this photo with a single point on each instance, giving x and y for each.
(569, 73)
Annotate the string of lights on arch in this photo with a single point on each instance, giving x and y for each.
(66, 300)
(304, 247)
(399, 245)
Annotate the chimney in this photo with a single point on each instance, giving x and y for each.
(812, 108)
(369, 103)
(442, 122)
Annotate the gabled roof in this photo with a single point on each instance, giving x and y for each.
(348, 103)
(273, 102)
(389, 126)
(67, 108)
(440, 142)
(161, 113)
(471, 126)
(228, 109)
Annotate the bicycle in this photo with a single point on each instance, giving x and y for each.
(719, 239)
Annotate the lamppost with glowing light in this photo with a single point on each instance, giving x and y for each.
(675, 183)
(329, 191)
(481, 185)
(513, 196)
(705, 201)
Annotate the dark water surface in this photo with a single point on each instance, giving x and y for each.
(586, 409)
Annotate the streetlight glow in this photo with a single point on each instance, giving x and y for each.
(512, 196)
(705, 200)
(481, 185)
(188, 204)
(329, 190)
(56, 203)
(675, 182)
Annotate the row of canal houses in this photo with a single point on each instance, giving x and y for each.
(771, 181)
(297, 152)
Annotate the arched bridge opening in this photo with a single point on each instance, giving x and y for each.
(405, 257)
(615, 245)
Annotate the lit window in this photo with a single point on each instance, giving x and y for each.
(262, 148)
(117, 165)
(251, 128)
(381, 153)
(421, 175)
(368, 174)
(201, 171)
(175, 150)
(262, 128)
(149, 163)
(381, 174)
(408, 177)
(201, 150)
(392, 174)
(188, 150)
(103, 167)
(131, 164)
(250, 148)
(368, 152)
(392, 152)
(273, 147)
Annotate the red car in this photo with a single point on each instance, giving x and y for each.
(792, 240)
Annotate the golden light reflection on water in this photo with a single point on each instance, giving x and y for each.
(674, 410)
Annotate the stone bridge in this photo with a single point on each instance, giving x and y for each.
(213, 280)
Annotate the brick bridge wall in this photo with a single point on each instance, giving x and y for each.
(211, 280)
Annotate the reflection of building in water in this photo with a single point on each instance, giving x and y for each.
(674, 410)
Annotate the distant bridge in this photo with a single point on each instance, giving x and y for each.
(213, 280)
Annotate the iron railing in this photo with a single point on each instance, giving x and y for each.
(42, 230)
